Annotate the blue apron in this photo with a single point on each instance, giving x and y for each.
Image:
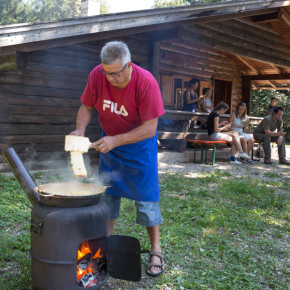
(132, 170)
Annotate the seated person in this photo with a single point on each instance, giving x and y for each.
(214, 132)
(205, 101)
(272, 106)
(190, 97)
(266, 132)
(240, 122)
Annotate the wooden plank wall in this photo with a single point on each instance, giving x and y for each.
(39, 103)
(180, 58)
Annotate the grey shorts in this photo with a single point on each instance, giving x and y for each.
(214, 136)
(148, 213)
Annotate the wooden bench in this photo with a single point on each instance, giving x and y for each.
(173, 127)
(205, 145)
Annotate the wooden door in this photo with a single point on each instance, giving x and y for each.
(167, 91)
(223, 93)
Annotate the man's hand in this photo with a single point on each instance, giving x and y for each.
(282, 134)
(104, 144)
(78, 132)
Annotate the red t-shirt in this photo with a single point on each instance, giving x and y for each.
(122, 110)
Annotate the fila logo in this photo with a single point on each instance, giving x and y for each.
(113, 106)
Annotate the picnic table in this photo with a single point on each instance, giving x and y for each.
(174, 128)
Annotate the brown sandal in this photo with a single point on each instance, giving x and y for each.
(161, 266)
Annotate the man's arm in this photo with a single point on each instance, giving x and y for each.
(83, 119)
(145, 131)
(273, 134)
(188, 100)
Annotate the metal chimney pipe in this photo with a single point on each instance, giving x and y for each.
(21, 174)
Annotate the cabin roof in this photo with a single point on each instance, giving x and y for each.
(144, 20)
(268, 16)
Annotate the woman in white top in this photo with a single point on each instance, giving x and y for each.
(205, 102)
(240, 123)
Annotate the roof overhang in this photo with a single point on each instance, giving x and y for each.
(29, 37)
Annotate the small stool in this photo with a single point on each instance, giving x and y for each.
(205, 145)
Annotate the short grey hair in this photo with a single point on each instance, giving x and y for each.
(114, 50)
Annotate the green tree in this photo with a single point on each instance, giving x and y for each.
(174, 3)
(171, 3)
(19, 11)
(105, 7)
(49, 10)
(12, 11)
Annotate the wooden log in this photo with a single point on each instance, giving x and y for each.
(48, 129)
(195, 63)
(37, 119)
(14, 99)
(232, 49)
(40, 91)
(46, 56)
(266, 31)
(155, 59)
(204, 59)
(256, 26)
(38, 110)
(52, 82)
(190, 72)
(209, 30)
(57, 69)
(285, 76)
(260, 38)
(20, 139)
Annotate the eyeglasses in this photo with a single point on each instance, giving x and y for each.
(113, 74)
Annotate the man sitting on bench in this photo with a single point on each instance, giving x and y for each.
(265, 132)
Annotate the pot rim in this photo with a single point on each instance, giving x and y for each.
(42, 193)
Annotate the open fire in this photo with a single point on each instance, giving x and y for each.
(91, 266)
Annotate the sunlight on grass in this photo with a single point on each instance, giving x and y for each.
(275, 221)
(209, 231)
(220, 230)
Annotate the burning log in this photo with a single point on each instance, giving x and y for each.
(85, 261)
(92, 268)
(88, 280)
(99, 265)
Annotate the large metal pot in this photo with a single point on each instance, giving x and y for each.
(66, 194)
(69, 194)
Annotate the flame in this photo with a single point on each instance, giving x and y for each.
(98, 254)
(84, 249)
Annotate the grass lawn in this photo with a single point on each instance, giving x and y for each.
(220, 231)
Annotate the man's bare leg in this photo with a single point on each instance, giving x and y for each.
(111, 226)
(154, 236)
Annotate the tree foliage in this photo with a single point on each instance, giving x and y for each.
(20, 11)
(261, 101)
(174, 3)
(12, 11)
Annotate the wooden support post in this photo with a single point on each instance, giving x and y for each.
(247, 92)
(155, 58)
(21, 59)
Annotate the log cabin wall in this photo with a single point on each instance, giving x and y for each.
(39, 101)
(181, 60)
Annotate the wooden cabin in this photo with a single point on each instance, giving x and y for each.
(230, 47)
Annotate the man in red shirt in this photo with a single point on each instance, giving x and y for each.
(129, 103)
